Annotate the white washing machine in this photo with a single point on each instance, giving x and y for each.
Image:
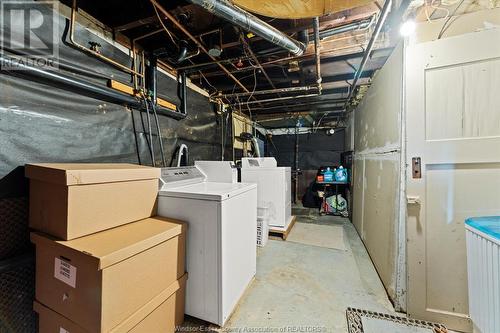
(273, 187)
(221, 237)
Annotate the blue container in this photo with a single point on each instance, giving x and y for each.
(328, 176)
(489, 225)
(341, 174)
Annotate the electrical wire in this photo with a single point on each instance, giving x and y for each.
(163, 25)
(432, 5)
(215, 89)
(445, 27)
(253, 91)
(319, 122)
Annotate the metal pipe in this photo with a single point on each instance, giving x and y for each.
(185, 55)
(317, 47)
(270, 91)
(182, 91)
(279, 115)
(150, 131)
(288, 59)
(151, 79)
(92, 52)
(197, 42)
(143, 70)
(303, 36)
(147, 35)
(79, 86)
(251, 23)
(306, 111)
(360, 25)
(158, 130)
(320, 102)
(254, 58)
(195, 67)
(378, 27)
(275, 99)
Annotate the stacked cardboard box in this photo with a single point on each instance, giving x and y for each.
(103, 264)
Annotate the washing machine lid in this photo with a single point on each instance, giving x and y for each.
(208, 191)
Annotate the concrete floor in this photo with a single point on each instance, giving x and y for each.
(307, 287)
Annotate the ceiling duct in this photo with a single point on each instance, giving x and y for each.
(251, 23)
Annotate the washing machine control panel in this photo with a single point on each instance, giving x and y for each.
(179, 176)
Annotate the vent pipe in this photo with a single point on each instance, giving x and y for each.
(251, 23)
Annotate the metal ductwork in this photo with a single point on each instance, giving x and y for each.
(251, 23)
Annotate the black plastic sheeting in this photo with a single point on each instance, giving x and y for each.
(40, 123)
(315, 149)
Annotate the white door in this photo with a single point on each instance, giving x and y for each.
(453, 126)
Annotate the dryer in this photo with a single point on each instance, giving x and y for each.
(219, 171)
(273, 188)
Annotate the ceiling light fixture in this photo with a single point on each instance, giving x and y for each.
(330, 131)
(407, 27)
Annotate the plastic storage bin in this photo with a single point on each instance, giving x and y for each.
(483, 269)
(262, 225)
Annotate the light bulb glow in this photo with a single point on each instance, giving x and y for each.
(407, 28)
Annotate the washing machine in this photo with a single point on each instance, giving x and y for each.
(221, 238)
(273, 188)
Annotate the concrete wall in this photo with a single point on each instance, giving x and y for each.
(315, 150)
(376, 190)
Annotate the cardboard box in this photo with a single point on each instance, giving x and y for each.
(73, 200)
(100, 280)
(162, 314)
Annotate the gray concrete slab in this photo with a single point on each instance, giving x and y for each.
(307, 287)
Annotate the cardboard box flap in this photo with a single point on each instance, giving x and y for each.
(89, 173)
(136, 317)
(117, 244)
(66, 324)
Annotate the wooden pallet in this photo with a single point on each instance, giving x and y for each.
(281, 232)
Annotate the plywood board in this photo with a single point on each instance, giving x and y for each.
(289, 9)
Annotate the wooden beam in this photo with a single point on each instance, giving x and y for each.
(129, 90)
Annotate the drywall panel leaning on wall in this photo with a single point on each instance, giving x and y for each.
(377, 146)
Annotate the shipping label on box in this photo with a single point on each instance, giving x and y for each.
(65, 272)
